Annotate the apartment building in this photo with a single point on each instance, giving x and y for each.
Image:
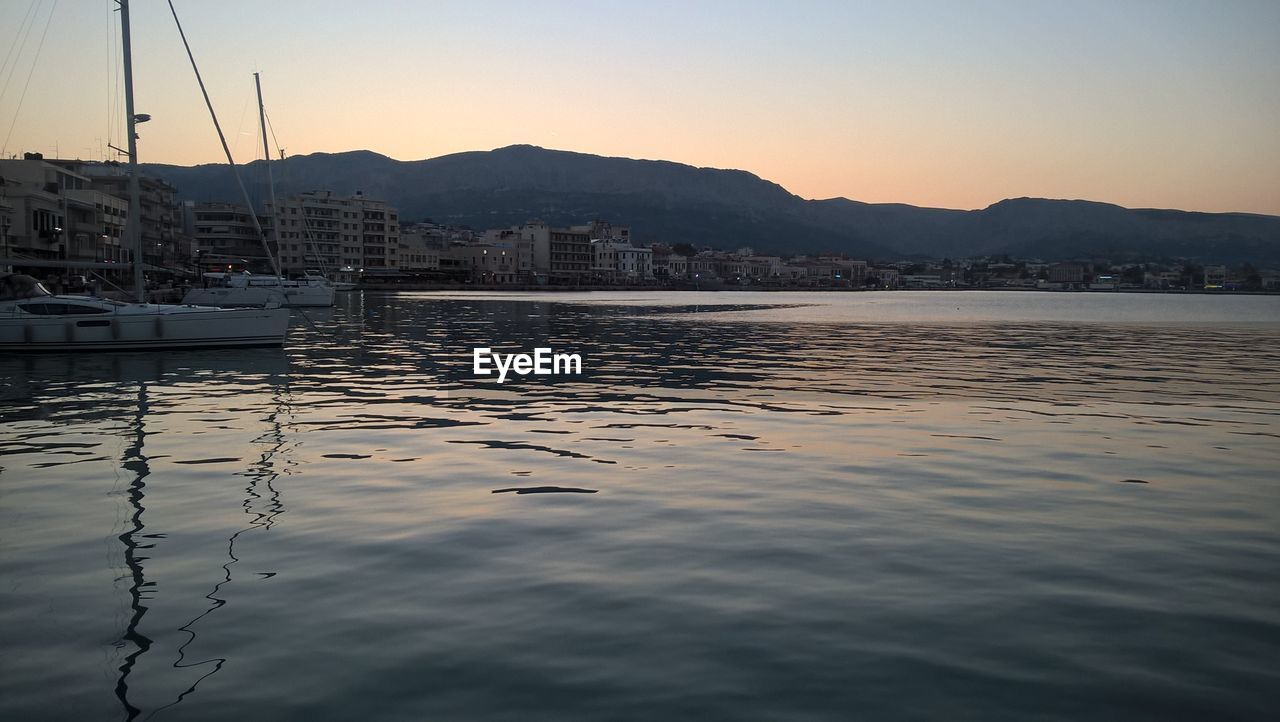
(165, 244)
(55, 214)
(420, 250)
(620, 261)
(324, 231)
(503, 262)
(558, 255)
(225, 237)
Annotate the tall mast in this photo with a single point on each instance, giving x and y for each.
(134, 223)
(244, 192)
(266, 158)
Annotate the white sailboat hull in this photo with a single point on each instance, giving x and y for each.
(290, 296)
(145, 326)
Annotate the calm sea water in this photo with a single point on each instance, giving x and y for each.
(988, 506)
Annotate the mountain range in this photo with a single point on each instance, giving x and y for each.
(728, 209)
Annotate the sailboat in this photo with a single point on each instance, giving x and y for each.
(233, 290)
(33, 319)
(245, 289)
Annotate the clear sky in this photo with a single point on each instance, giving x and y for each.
(951, 103)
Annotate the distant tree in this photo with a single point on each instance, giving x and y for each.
(1192, 275)
(684, 249)
(1252, 279)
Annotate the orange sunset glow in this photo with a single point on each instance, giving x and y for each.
(927, 103)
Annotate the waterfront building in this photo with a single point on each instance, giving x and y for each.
(922, 280)
(764, 268)
(568, 253)
(703, 266)
(792, 272)
(455, 264)
(322, 230)
(1215, 276)
(615, 260)
(1161, 279)
(1067, 274)
(827, 272)
(53, 214)
(503, 262)
(604, 262)
(677, 267)
(731, 268)
(850, 270)
(420, 250)
(888, 277)
(558, 255)
(165, 245)
(604, 231)
(224, 236)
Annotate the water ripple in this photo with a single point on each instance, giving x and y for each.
(762, 507)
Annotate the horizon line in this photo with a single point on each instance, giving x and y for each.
(697, 167)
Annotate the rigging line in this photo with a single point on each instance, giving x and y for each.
(121, 119)
(21, 28)
(114, 91)
(312, 245)
(275, 265)
(24, 32)
(34, 61)
(110, 47)
(319, 330)
(240, 131)
(274, 140)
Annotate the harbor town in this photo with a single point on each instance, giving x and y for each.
(63, 221)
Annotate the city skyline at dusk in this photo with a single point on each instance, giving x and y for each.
(933, 104)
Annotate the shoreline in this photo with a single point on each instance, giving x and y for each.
(526, 288)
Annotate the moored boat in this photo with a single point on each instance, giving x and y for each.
(33, 319)
(231, 290)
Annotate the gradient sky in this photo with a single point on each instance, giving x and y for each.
(957, 104)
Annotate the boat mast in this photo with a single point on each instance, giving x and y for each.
(248, 202)
(271, 183)
(134, 223)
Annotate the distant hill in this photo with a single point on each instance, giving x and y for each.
(676, 203)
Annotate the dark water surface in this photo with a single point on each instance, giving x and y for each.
(806, 506)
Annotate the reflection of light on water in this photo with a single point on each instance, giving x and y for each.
(778, 507)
